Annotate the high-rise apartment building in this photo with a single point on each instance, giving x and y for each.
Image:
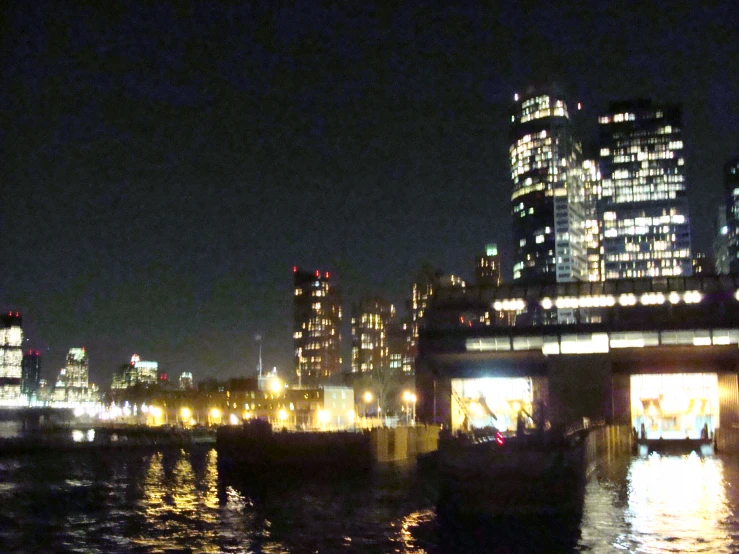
(731, 199)
(644, 206)
(591, 180)
(31, 372)
(11, 357)
(399, 341)
(487, 267)
(316, 326)
(547, 198)
(372, 319)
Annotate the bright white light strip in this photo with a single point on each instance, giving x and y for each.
(513, 305)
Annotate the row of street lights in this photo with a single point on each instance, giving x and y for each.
(409, 399)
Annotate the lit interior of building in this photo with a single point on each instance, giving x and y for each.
(675, 406)
(490, 401)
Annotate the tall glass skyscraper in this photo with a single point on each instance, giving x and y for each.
(548, 196)
(731, 199)
(644, 206)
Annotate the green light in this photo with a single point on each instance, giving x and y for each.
(491, 249)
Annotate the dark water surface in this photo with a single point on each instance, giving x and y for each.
(177, 501)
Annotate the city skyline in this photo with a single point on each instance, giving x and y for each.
(159, 207)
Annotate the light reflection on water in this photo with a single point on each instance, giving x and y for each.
(182, 501)
(663, 504)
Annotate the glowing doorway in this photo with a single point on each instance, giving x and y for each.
(675, 406)
(490, 401)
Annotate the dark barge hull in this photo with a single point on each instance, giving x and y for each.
(244, 449)
(521, 480)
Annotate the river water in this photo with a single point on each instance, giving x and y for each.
(176, 501)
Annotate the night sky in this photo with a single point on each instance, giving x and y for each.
(163, 168)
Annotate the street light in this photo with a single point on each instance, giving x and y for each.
(410, 398)
(275, 385)
(186, 415)
(367, 399)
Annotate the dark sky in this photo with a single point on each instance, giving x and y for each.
(163, 168)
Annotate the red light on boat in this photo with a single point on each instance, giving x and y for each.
(499, 438)
(295, 269)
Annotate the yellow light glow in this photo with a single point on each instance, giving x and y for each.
(275, 385)
(408, 396)
(283, 415)
(233, 420)
(368, 397)
(215, 413)
(186, 414)
(350, 414)
(155, 412)
(246, 415)
(324, 416)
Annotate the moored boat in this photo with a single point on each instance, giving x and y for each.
(530, 475)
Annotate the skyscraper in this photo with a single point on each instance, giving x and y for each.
(487, 267)
(372, 319)
(316, 326)
(72, 384)
(424, 285)
(731, 199)
(11, 357)
(547, 198)
(644, 205)
(721, 242)
(591, 188)
(136, 372)
(31, 372)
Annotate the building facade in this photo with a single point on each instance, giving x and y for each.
(185, 380)
(426, 282)
(591, 179)
(372, 319)
(644, 205)
(731, 200)
(487, 267)
(11, 357)
(31, 373)
(137, 371)
(548, 196)
(73, 385)
(316, 326)
(721, 243)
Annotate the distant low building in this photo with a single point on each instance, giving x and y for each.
(294, 408)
